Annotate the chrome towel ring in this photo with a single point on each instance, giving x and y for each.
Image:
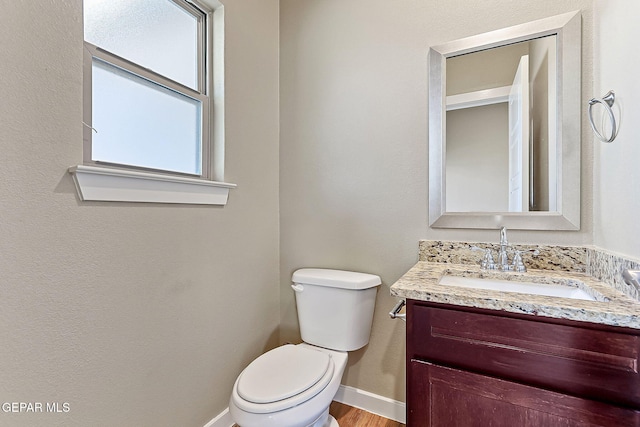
(607, 102)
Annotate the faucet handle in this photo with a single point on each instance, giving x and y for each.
(487, 262)
(518, 264)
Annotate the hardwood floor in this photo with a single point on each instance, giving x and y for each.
(348, 416)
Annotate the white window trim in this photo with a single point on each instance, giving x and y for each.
(107, 184)
(95, 183)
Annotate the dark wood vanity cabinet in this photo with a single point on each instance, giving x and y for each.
(471, 367)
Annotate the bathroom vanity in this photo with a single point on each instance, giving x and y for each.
(479, 357)
(489, 343)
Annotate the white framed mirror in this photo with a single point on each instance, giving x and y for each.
(504, 128)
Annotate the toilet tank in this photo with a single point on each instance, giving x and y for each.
(335, 307)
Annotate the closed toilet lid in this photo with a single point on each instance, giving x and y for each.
(282, 373)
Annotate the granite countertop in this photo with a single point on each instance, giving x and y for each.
(611, 307)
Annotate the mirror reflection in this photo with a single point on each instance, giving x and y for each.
(476, 180)
(501, 144)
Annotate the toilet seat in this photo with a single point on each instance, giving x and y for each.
(282, 378)
(282, 373)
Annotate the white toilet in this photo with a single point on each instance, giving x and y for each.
(293, 385)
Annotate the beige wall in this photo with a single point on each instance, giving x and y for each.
(487, 69)
(134, 314)
(354, 147)
(617, 172)
(477, 168)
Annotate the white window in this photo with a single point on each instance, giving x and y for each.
(147, 102)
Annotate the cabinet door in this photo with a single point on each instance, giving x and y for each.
(570, 359)
(445, 397)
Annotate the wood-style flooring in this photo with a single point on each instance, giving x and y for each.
(348, 416)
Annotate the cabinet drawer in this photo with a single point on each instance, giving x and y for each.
(450, 397)
(599, 364)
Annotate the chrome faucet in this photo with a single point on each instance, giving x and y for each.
(503, 263)
(503, 258)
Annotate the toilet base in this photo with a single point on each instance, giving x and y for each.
(325, 420)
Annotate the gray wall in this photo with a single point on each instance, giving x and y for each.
(477, 165)
(134, 314)
(617, 175)
(353, 164)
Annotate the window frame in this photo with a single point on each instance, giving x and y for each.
(105, 181)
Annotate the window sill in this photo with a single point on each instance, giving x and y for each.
(115, 185)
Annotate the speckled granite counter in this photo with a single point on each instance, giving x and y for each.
(614, 308)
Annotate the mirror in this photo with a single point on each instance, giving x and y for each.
(504, 128)
(498, 129)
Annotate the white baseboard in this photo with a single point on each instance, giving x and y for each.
(376, 404)
(222, 420)
(379, 405)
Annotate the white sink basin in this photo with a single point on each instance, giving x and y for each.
(551, 290)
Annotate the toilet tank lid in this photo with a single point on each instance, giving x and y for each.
(335, 278)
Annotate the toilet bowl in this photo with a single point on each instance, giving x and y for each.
(290, 386)
(293, 385)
